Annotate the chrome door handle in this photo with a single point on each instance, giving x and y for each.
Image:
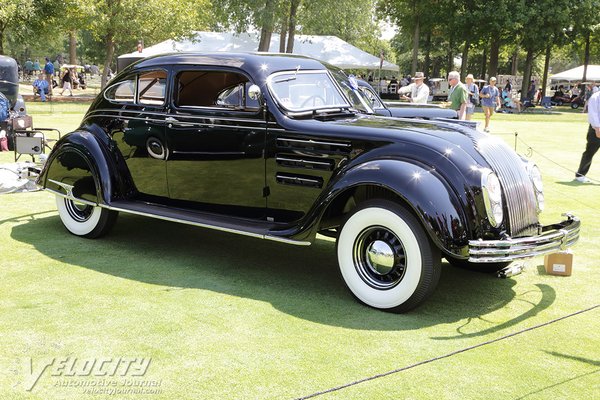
(170, 119)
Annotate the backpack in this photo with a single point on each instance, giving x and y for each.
(4, 107)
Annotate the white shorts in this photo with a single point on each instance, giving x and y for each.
(67, 86)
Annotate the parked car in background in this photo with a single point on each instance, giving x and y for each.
(16, 116)
(272, 147)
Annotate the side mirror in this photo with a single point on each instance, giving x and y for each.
(254, 92)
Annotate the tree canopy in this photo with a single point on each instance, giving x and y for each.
(497, 36)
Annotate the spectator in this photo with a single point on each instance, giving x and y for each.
(419, 92)
(28, 68)
(40, 87)
(509, 102)
(508, 86)
(532, 91)
(36, 66)
(593, 139)
(458, 96)
(67, 81)
(473, 92)
(49, 72)
(490, 100)
(56, 68)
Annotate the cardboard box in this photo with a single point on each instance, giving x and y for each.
(560, 263)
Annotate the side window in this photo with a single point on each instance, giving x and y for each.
(151, 87)
(215, 89)
(123, 91)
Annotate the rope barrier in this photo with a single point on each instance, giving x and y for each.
(395, 371)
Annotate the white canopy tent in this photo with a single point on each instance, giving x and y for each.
(576, 74)
(330, 49)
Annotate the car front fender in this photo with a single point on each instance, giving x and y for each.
(423, 190)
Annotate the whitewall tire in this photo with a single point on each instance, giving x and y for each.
(84, 220)
(386, 258)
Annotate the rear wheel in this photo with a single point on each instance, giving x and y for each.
(386, 258)
(575, 105)
(83, 219)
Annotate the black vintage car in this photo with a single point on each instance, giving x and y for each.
(271, 146)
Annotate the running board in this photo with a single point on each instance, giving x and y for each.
(203, 220)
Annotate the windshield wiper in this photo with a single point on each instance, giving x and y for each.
(291, 78)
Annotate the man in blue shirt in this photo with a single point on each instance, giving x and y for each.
(490, 100)
(40, 86)
(49, 70)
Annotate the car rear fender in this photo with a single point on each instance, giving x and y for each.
(79, 168)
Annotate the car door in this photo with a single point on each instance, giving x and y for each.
(216, 137)
(137, 127)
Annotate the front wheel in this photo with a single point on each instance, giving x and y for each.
(83, 219)
(386, 258)
(575, 105)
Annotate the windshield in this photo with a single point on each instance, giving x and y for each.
(350, 89)
(299, 91)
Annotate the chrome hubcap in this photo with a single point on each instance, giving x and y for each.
(379, 257)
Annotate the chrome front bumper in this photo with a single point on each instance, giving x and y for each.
(554, 237)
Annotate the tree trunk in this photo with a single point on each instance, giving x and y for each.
(514, 62)
(450, 57)
(282, 34)
(1, 41)
(415, 52)
(267, 26)
(465, 58)
(586, 57)
(494, 50)
(292, 26)
(546, 66)
(427, 63)
(72, 47)
(484, 63)
(527, 75)
(110, 51)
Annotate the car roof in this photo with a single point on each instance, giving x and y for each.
(253, 63)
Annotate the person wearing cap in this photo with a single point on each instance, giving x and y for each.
(419, 92)
(593, 139)
(458, 96)
(473, 92)
(490, 100)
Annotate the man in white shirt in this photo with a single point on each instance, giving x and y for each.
(593, 138)
(419, 92)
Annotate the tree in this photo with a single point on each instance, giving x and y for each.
(126, 21)
(14, 17)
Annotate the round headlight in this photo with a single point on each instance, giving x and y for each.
(536, 177)
(492, 184)
(492, 197)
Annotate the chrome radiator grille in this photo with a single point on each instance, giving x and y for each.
(517, 187)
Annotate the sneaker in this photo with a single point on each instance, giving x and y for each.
(487, 130)
(582, 179)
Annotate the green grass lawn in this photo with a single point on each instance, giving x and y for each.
(224, 316)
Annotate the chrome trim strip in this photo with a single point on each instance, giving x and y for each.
(303, 161)
(563, 236)
(87, 202)
(186, 124)
(110, 111)
(313, 142)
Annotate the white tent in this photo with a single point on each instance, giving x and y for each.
(576, 74)
(330, 49)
